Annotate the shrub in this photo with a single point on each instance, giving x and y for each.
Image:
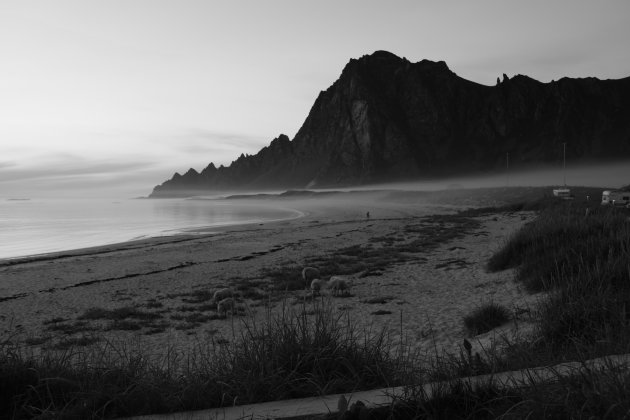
(486, 318)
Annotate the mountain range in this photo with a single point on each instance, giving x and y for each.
(388, 119)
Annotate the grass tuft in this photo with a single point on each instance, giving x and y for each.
(293, 353)
(486, 318)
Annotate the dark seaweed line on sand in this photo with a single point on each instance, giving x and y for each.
(144, 273)
(147, 273)
(126, 276)
(16, 296)
(107, 249)
(256, 254)
(91, 282)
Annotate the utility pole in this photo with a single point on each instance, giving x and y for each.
(564, 163)
(507, 169)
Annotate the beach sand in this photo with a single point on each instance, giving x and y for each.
(424, 290)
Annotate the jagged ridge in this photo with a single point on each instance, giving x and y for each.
(386, 119)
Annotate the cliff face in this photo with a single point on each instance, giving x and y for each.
(386, 119)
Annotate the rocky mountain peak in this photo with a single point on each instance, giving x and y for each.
(387, 119)
(209, 169)
(382, 55)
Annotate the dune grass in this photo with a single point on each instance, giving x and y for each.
(563, 242)
(583, 260)
(292, 353)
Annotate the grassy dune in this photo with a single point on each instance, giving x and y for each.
(579, 253)
(294, 353)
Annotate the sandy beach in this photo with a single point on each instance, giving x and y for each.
(436, 278)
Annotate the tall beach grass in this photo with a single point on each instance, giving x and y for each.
(295, 352)
(580, 256)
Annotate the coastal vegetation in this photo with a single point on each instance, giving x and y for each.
(293, 353)
(578, 253)
(486, 318)
(575, 253)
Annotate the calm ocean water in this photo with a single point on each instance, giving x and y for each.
(37, 226)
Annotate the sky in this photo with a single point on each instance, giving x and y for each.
(111, 97)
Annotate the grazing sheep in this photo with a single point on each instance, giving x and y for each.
(317, 285)
(224, 305)
(338, 286)
(222, 294)
(309, 274)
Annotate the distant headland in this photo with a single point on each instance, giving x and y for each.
(388, 119)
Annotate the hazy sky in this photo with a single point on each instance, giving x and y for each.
(111, 97)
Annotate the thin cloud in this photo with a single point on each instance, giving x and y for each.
(7, 164)
(71, 168)
(198, 147)
(208, 141)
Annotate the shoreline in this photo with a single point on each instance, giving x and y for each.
(281, 199)
(180, 236)
(44, 300)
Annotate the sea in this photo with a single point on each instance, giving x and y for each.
(31, 227)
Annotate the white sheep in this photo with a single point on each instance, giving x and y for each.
(338, 286)
(317, 285)
(309, 274)
(224, 305)
(221, 294)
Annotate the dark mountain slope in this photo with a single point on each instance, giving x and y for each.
(387, 119)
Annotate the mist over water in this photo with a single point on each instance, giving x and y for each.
(36, 226)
